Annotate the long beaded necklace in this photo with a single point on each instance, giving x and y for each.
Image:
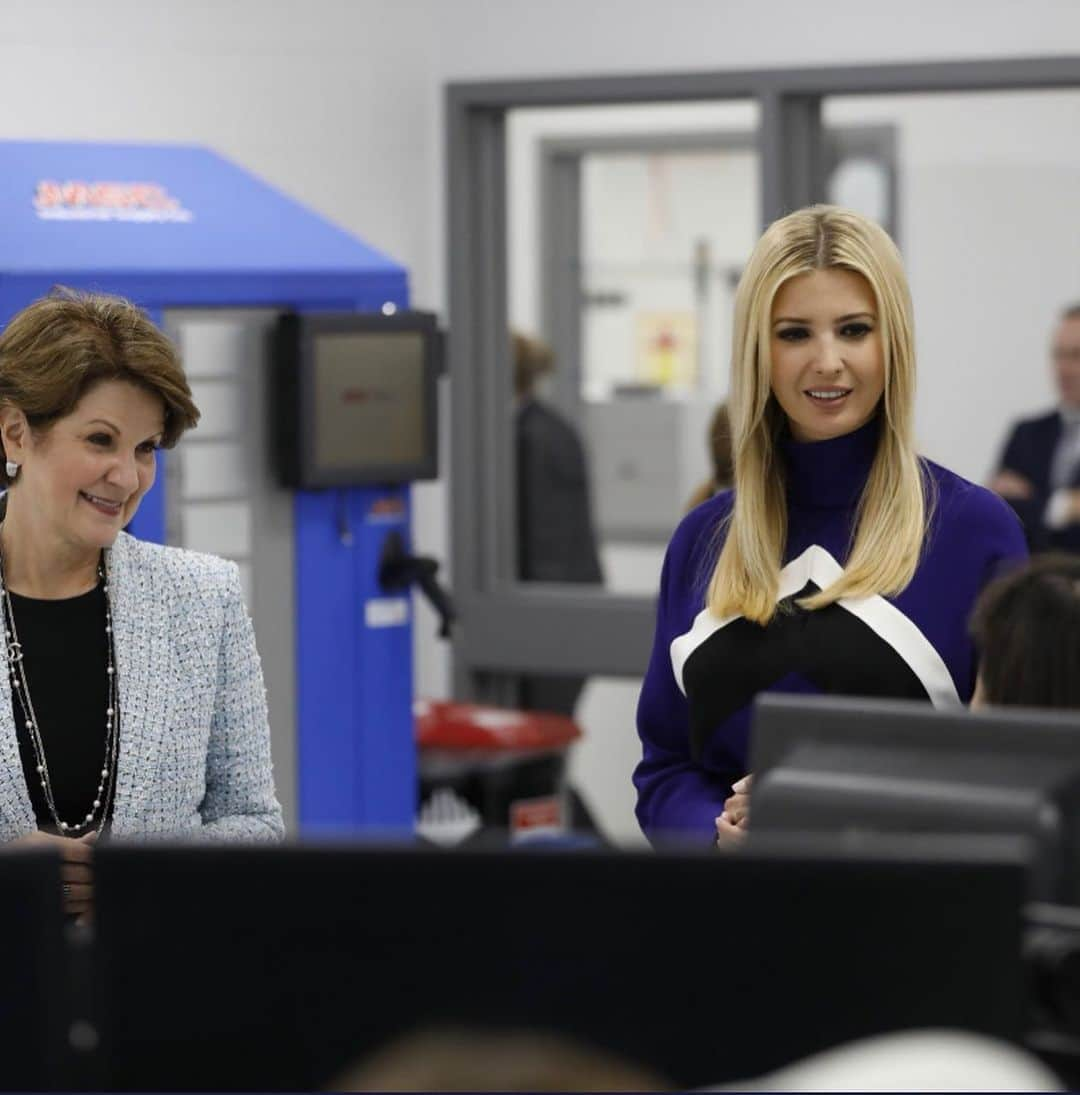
(99, 811)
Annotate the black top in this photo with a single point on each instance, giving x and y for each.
(64, 656)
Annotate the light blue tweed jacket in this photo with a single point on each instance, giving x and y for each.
(194, 739)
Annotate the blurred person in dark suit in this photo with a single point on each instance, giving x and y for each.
(555, 534)
(1039, 471)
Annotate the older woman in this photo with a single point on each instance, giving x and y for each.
(133, 699)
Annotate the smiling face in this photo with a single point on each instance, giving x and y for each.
(83, 477)
(828, 365)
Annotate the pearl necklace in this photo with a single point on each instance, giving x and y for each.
(21, 690)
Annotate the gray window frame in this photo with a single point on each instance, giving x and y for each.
(560, 235)
(510, 627)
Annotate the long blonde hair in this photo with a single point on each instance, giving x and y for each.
(892, 513)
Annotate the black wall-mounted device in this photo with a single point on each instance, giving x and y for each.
(354, 398)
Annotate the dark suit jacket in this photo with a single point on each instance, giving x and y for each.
(1030, 452)
(556, 541)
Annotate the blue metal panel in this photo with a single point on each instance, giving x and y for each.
(245, 244)
(224, 219)
(149, 520)
(231, 240)
(354, 668)
(386, 761)
(329, 292)
(354, 664)
(326, 624)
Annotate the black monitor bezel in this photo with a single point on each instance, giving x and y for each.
(840, 720)
(298, 335)
(509, 908)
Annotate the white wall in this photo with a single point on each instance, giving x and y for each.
(334, 102)
(519, 38)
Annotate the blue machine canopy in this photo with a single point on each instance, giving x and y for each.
(171, 226)
(176, 227)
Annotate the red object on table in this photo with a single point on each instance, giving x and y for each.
(449, 726)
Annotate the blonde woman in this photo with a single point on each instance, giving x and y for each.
(841, 561)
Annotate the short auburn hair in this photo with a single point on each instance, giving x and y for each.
(56, 349)
(1027, 628)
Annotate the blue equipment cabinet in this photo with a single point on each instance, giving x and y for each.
(181, 227)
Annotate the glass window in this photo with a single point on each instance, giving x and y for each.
(628, 227)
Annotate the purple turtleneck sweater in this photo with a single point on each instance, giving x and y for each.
(696, 702)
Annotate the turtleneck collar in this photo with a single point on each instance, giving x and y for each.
(830, 474)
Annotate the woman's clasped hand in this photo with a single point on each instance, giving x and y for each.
(76, 869)
(732, 824)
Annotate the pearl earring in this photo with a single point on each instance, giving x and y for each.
(12, 469)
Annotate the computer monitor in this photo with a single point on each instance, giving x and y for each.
(273, 969)
(846, 765)
(36, 994)
(353, 399)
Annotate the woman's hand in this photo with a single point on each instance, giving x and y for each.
(732, 824)
(76, 876)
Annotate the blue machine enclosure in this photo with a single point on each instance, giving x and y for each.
(181, 227)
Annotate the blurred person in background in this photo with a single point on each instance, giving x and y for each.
(132, 700)
(842, 562)
(555, 535)
(723, 466)
(475, 1059)
(1027, 628)
(1039, 471)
